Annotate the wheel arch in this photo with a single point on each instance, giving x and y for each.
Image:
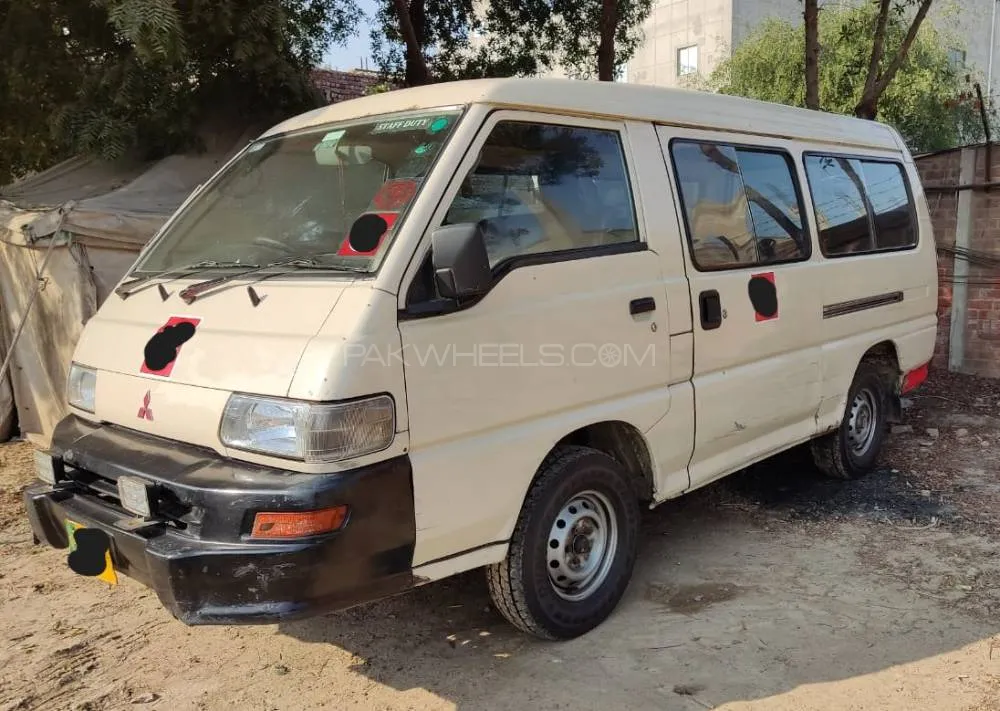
(885, 355)
(624, 443)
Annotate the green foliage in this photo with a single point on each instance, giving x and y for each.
(929, 101)
(111, 77)
(521, 37)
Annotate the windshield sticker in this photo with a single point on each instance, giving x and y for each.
(437, 125)
(402, 125)
(330, 140)
(163, 348)
(367, 234)
(394, 194)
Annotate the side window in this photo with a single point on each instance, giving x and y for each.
(890, 202)
(775, 206)
(837, 186)
(715, 205)
(742, 205)
(540, 188)
(862, 206)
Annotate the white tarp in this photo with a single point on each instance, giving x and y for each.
(106, 213)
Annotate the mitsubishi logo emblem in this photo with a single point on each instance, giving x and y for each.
(145, 412)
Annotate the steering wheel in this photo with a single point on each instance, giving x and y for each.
(729, 244)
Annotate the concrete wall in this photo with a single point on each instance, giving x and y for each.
(674, 24)
(969, 293)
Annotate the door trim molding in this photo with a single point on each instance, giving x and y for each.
(843, 308)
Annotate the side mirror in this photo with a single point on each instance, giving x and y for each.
(461, 263)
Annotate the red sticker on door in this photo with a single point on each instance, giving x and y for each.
(163, 348)
(763, 296)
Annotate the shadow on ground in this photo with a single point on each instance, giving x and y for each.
(751, 587)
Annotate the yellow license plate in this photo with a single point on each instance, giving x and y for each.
(108, 574)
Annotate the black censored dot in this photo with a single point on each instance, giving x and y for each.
(88, 558)
(366, 231)
(763, 296)
(161, 350)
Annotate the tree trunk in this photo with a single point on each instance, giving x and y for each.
(416, 64)
(812, 54)
(606, 48)
(876, 85)
(867, 107)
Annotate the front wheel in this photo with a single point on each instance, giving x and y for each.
(573, 549)
(853, 448)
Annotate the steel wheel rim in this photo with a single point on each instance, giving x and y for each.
(581, 546)
(862, 424)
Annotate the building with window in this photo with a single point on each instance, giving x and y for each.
(688, 38)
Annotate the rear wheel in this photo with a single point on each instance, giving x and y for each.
(573, 549)
(852, 450)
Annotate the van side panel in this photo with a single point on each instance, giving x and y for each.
(876, 298)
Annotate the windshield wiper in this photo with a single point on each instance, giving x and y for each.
(290, 265)
(131, 287)
(195, 290)
(310, 263)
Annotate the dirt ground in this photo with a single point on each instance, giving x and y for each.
(772, 590)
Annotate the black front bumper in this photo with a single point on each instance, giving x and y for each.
(196, 552)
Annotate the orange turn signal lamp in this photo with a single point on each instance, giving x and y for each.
(298, 524)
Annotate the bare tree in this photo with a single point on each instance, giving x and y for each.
(878, 78)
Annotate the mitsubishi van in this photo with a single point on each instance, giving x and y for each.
(483, 324)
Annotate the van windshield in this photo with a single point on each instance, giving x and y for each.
(332, 196)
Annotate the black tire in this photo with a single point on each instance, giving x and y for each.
(844, 453)
(521, 586)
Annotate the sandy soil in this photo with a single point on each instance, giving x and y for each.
(774, 589)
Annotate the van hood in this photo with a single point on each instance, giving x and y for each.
(220, 341)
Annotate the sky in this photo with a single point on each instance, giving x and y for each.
(357, 47)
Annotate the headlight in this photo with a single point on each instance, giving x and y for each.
(81, 385)
(306, 431)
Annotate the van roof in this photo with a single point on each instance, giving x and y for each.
(680, 107)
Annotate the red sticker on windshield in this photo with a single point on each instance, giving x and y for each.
(394, 195)
(367, 234)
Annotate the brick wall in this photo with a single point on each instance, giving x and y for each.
(941, 170)
(981, 354)
(340, 86)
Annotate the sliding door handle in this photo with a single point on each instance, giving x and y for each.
(641, 306)
(710, 306)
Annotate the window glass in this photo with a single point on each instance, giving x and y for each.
(837, 186)
(308, 195)
(540, 188)
(715, 205)
(687, 60)
(774, 206)
(890, 204)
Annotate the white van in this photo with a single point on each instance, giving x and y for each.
(482, 324)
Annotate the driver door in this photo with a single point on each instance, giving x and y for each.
(573, 330)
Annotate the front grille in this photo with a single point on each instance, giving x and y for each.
(164, 504)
